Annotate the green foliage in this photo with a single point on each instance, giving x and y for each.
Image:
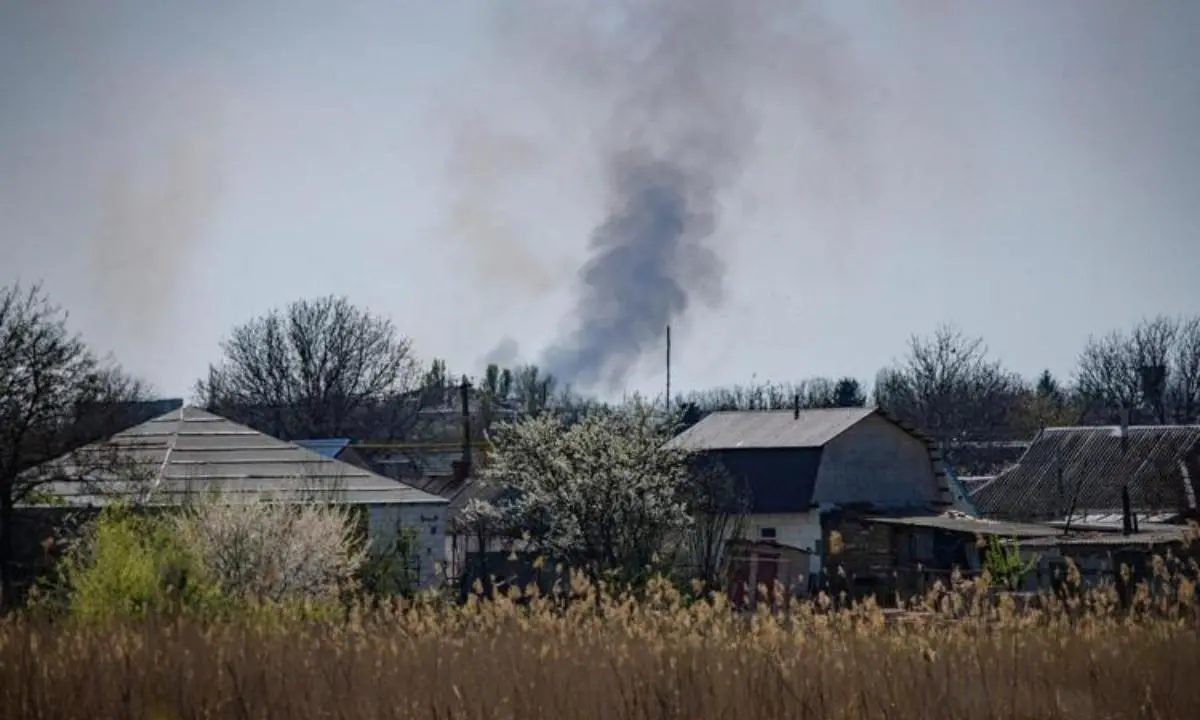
(391, 570)
(129, 564)
(1003, 562)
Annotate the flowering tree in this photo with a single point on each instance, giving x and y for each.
(601, 494)
(274, 550)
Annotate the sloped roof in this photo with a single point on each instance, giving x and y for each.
(962, 523)
(1094, 468)
(189, 452)
(762, 429)
(325, 447)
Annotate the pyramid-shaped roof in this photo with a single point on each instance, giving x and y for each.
(189, 452)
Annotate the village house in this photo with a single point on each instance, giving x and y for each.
(442, 457)
(1082, 474)
(188, 453)
(805, 471)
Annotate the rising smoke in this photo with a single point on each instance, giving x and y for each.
(678, 132)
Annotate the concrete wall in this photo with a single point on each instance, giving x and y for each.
(876, 462)
(384, 522)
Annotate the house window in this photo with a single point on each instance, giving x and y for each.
(767, 533)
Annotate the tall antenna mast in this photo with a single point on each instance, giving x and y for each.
(668, 369)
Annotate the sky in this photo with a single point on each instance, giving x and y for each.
(1027, 171)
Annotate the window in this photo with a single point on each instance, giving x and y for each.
(767, 533)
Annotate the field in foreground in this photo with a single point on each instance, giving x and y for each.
(608, 659)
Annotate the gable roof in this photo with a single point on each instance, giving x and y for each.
(189, 452)
(763, 429)
(1094, 468)
(778, 480)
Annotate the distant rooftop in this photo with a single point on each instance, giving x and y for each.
(325, 447)
(762, 429)
(189, 452)
(1085, 469)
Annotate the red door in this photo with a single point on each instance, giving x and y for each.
(768, 572)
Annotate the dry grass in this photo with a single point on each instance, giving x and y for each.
(607, 658)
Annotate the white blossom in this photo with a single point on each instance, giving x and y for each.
(274, 550)
(603, 492)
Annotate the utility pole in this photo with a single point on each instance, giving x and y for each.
(668, 369)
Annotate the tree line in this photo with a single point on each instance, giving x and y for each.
(324, 367)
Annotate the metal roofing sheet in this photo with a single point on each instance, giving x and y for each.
(769, 429)
(963, 524)
(190, 450)
(325, 447)
(1095, 464)
(1111, 539)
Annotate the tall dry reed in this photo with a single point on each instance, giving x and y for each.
(603, 657)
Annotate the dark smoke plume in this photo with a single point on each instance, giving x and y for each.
(676, 139)
(648, 258)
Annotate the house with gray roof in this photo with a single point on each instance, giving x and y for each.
(187, 454)
(800, 467)
(1082, 472)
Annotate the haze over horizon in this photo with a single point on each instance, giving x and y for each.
(842, 175)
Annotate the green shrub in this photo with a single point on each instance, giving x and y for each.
(390, 570)
(1004, 564)
(129, 564)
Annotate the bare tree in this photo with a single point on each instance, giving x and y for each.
(319, 368)
(718, 504)
(818, 392)
(951, 389)
(1153, 372)
(533, 390)
(1184, 388)
(1049, 405)
(55, 396)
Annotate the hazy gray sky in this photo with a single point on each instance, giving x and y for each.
(1027, 170)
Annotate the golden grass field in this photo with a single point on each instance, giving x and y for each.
(605, 658)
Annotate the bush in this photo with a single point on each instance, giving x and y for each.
(389, 571)
(207, 559)
(274, 552)
(129, 564)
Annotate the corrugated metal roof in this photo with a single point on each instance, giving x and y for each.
(769, 429)
(957, 522)
(192, 452)
(1111, 539)
(973, 482)
(1094, 468)
(325, 447)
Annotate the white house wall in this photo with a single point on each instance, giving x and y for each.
(798, 530)
(876, 461)
(428, 519)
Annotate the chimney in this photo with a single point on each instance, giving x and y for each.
(796, 406)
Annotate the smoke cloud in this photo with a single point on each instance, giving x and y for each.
(676, 138)
(154, 211)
